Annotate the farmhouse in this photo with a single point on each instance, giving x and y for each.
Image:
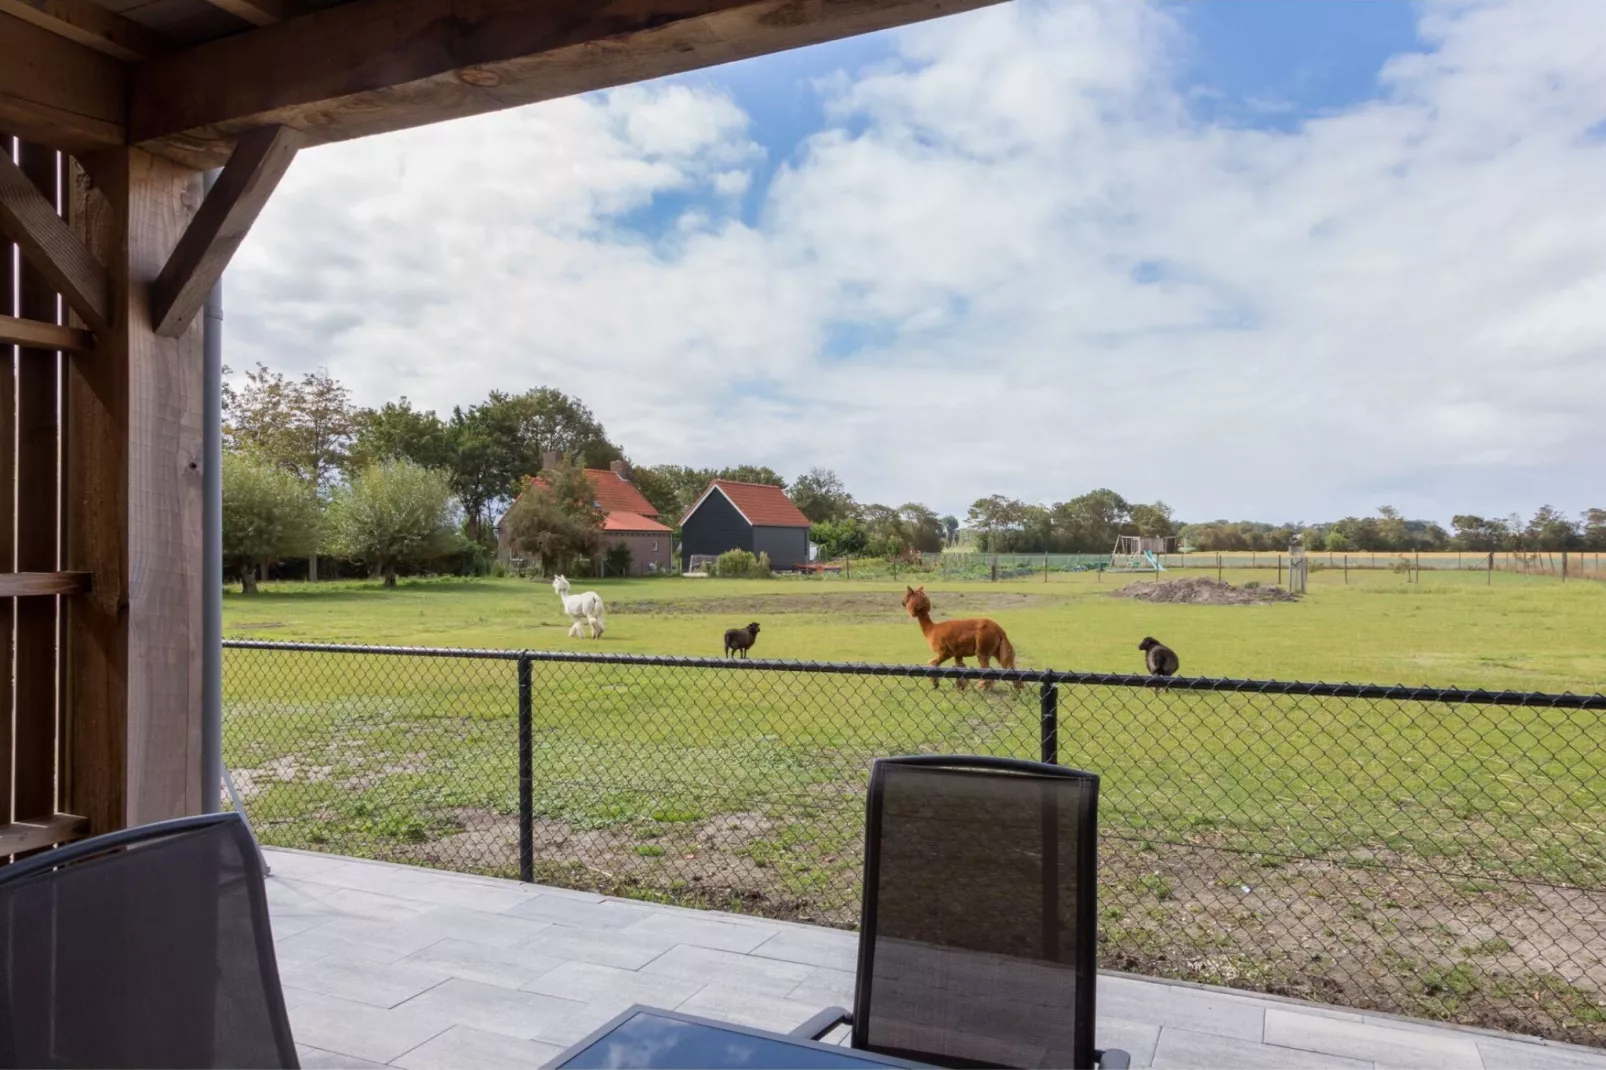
(628, 519)
(755, 517)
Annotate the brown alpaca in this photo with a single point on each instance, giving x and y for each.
(976, 637)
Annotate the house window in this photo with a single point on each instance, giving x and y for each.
(655, 546)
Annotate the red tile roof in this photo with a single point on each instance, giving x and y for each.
(632, 522)
(618, 495)
(763, 505)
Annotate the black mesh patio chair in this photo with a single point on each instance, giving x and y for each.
(976, 942)
(148, 947)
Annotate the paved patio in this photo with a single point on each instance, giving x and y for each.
(425, 970)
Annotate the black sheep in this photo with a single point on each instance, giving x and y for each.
(1160, 659)
(740, 639)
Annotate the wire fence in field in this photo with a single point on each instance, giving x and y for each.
(1431, 852)
(971, 565)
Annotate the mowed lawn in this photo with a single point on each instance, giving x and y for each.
(1450, 630)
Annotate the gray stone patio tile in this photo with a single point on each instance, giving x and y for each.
(1183, 1049)
(464, 1048)
(288, 923)
(747, 1007)
(488, 965)
(1137, 1039)
(590, 1017)
(356, 1029)
(491, 1007)
(1537, 1055)
(1373, 1043)
(826, 987)
(292, 951)
(378, 984)
(608, 914)
(355, 938)
(605, 947)
(818, 947)
(285, 863)
(430, 886)
(356, 903)
(476, 926)
(318, 1059)
(1202, 1012)
(761, 976)
(680, 928)
(589, 982)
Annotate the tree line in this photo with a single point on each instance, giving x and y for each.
(396, 488)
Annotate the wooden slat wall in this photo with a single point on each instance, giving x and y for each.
(38, 523)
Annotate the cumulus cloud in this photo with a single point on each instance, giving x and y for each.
(1012, 260)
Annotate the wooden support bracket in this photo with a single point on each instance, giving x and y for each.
(22, 836)
(34, 334)
(33, 584)
(51, 246)
(249, 178)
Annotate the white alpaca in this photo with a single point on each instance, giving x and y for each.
(583, 609)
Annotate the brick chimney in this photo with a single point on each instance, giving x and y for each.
(549, 459)
(621, 469)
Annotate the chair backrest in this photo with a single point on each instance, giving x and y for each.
(146, 947)
(977, 941)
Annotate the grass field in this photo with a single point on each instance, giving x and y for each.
(1522, 633)
(1431, 859)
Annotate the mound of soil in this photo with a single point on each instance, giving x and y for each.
(1200, 590)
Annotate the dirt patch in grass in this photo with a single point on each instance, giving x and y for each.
(1396, 939)
(947, 604)
(1201, 591)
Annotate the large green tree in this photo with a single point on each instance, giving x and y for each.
(304, 426)
(268, 515)
(500, 441)
(393, 515)
(821, 496)
(396, 430)
(556, 519)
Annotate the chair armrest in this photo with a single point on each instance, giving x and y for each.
(1113, 1059)
(822, 1023)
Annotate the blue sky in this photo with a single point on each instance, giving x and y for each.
(1256, 259)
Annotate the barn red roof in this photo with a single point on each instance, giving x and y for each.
(763, 505)
(632, 522)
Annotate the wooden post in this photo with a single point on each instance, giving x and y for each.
(1218, 566)
(1279, 570)
(1346, 570)
(133, 442)
(1489, 582)
(1045, 568)
(1564, 566)
(8, 457)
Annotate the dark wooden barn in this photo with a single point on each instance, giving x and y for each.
(755, 517)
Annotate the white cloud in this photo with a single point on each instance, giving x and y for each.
(1404, 300)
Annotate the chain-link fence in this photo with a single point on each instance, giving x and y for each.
(1432, 852)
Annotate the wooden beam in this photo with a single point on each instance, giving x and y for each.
(89, 24)
(241, 191)
(39, 584)
(371, 66)
(20, 836)
(133, 444)
(263, 12)
(8, 514)
(57, 92)
(32, 334)
(28, 219)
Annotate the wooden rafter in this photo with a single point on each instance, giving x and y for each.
(370, 66)
(87, 23)
(263, 12)
(22, 836)
(33, 334)
(57, 92)
(39, 584)
(51, 246)
(247, 181)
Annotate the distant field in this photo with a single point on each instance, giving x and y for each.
(1530, 633)
(1431, 859)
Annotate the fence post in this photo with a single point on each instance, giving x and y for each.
(1346, 570)
(1048, 704)
(1218, 566)
(526, 787)
(1280, 570)
(1489, 582)
(1564, 566)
